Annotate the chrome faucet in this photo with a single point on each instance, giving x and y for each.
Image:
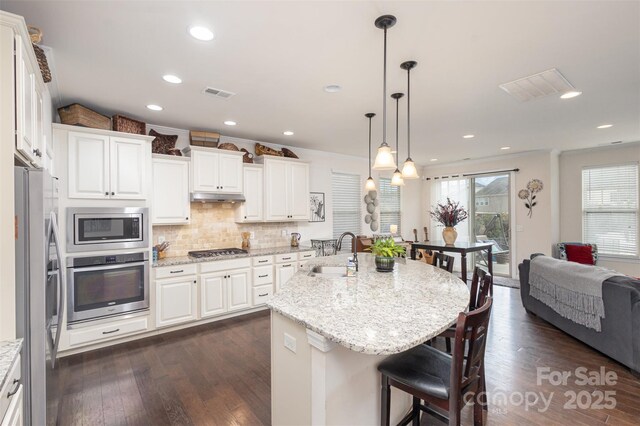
(353, 246)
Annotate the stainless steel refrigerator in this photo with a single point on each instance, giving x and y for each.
(39, 291)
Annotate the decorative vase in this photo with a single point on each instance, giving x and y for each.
(449, 235)
(385, 264)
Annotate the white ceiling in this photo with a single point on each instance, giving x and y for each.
(277, 56)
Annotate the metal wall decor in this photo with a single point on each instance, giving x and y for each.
(316, 207)
(371, 218)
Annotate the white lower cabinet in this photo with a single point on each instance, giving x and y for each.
(107, 331)
(176, 301)
(212, 295)
(11, 400)
(239, 287)
(284, 272)
(262, 294)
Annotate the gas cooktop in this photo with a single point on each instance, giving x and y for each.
(216, 252)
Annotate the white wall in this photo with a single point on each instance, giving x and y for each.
(536, 234)
(322, 164)
(571, 165)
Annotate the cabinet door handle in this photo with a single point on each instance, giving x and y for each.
(16, 382)
(262, 261)
(112, 331)
(263, 294)
(195, 282)
(176, 272)
(287, 265)
(286, 258)
(106, 193)
(186, 218)
(113, 193)
(263, 276)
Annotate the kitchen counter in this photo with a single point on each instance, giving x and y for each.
(184, 260)
(9, 351)
(328, 336)
(373, 312)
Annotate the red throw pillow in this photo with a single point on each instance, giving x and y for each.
(579, 254)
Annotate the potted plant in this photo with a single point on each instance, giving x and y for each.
(385, 250)
(449, 215)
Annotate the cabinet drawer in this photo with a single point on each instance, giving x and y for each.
(262, 275)
(225, 265)
(176, 271)
(287, 257)
(107, 331)
(306, 255)
(262, 294)
(12, 383)
(262, 260)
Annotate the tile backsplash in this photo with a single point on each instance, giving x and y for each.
(213, 226)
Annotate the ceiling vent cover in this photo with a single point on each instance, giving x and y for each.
(538, 85)
(218, 93)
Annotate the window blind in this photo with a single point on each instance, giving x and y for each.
(610, 208)
(389, 206)
(347, 202)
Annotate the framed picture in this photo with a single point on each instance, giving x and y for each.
(316, 207)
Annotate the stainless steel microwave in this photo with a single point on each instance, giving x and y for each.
(107, 228)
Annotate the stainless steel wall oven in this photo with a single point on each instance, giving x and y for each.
(106, 285)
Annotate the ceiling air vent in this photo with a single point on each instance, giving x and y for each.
(218, 93)
(538, 85)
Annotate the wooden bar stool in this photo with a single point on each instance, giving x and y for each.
(437, 378)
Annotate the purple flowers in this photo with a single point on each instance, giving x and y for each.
(450, 213)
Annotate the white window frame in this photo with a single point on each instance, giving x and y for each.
(358, 204)
(612, 256)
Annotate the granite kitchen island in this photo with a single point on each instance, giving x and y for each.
(329, 333)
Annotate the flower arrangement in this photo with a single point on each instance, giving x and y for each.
(386, 247)
(449, 214)
(529, 194)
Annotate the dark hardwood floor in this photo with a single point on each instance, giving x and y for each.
(220, 374)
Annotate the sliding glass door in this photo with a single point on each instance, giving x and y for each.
(488, 201)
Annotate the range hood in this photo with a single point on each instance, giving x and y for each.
(208, 197)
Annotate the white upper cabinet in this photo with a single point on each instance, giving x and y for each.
(88, 165)
(251, 209)
(171, 203)
(286, 190)
(103, 166)
(215, 170)
(25, 102)
(128, 162)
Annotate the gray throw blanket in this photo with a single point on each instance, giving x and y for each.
(571, 289)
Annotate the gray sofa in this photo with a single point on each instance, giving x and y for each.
(620, 335)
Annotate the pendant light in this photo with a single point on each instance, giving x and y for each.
(397, 180)
(409, 169)
(371, 184)
(384, 158)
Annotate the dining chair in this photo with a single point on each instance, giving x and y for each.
(443, 261)
(439, 379)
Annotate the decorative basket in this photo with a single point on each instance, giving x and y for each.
(265, 150)
(288, 153)
(128, 125)
(228, 146)
(36, 37)
(247, 157)
(78, 115)
(206, 139)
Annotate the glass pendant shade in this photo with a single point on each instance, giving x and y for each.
(384, 158)
(370, 185)
(409, 170)
(397, 180)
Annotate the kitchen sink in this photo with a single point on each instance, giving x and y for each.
(328, 271)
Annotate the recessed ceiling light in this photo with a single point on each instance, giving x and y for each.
(469, 136)
(505, 148)
(332, 88)
(605, 126)
(201, 33)
(571, 94)
(230, 123)
(169, 78)
(287, 133)
(153, 107)
(434, 159)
